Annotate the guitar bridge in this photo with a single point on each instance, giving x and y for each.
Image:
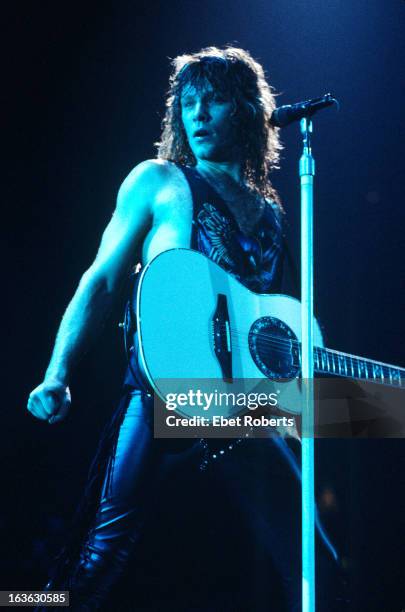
(222, 337)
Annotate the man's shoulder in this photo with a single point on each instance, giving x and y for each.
(153, 181)
(153, 173)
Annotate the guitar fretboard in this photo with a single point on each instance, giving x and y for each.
(335, 363)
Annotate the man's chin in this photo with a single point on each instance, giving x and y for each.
(212, 154)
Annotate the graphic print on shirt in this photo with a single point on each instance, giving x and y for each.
(252, 260)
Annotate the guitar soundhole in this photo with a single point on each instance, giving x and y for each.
(274, 348)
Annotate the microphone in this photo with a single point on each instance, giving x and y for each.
(284, 115)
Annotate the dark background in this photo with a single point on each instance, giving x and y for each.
(84, 87)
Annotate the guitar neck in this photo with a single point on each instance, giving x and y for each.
(335, 363)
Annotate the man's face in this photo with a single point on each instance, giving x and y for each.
(207, 120)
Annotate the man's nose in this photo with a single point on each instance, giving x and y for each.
(201, 111)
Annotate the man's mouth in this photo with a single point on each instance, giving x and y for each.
(201, 133)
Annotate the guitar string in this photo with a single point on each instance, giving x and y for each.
(272, 344)
(276, 341)
(285, 346)
(273, 339)
(346, 372)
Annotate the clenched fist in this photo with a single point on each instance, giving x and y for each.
(50, 401)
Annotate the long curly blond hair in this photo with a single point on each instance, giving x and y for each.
(234, 73)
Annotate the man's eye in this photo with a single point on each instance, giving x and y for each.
(187, 104)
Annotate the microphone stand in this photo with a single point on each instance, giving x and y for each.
(307, 173)
(281, 117)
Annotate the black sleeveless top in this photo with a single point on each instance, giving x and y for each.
(256, 261)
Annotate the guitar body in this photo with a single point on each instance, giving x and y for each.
(195, 321)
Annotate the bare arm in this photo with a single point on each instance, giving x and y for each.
(99, 285)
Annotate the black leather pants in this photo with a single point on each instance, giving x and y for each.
(125, 498)
(261, 476)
